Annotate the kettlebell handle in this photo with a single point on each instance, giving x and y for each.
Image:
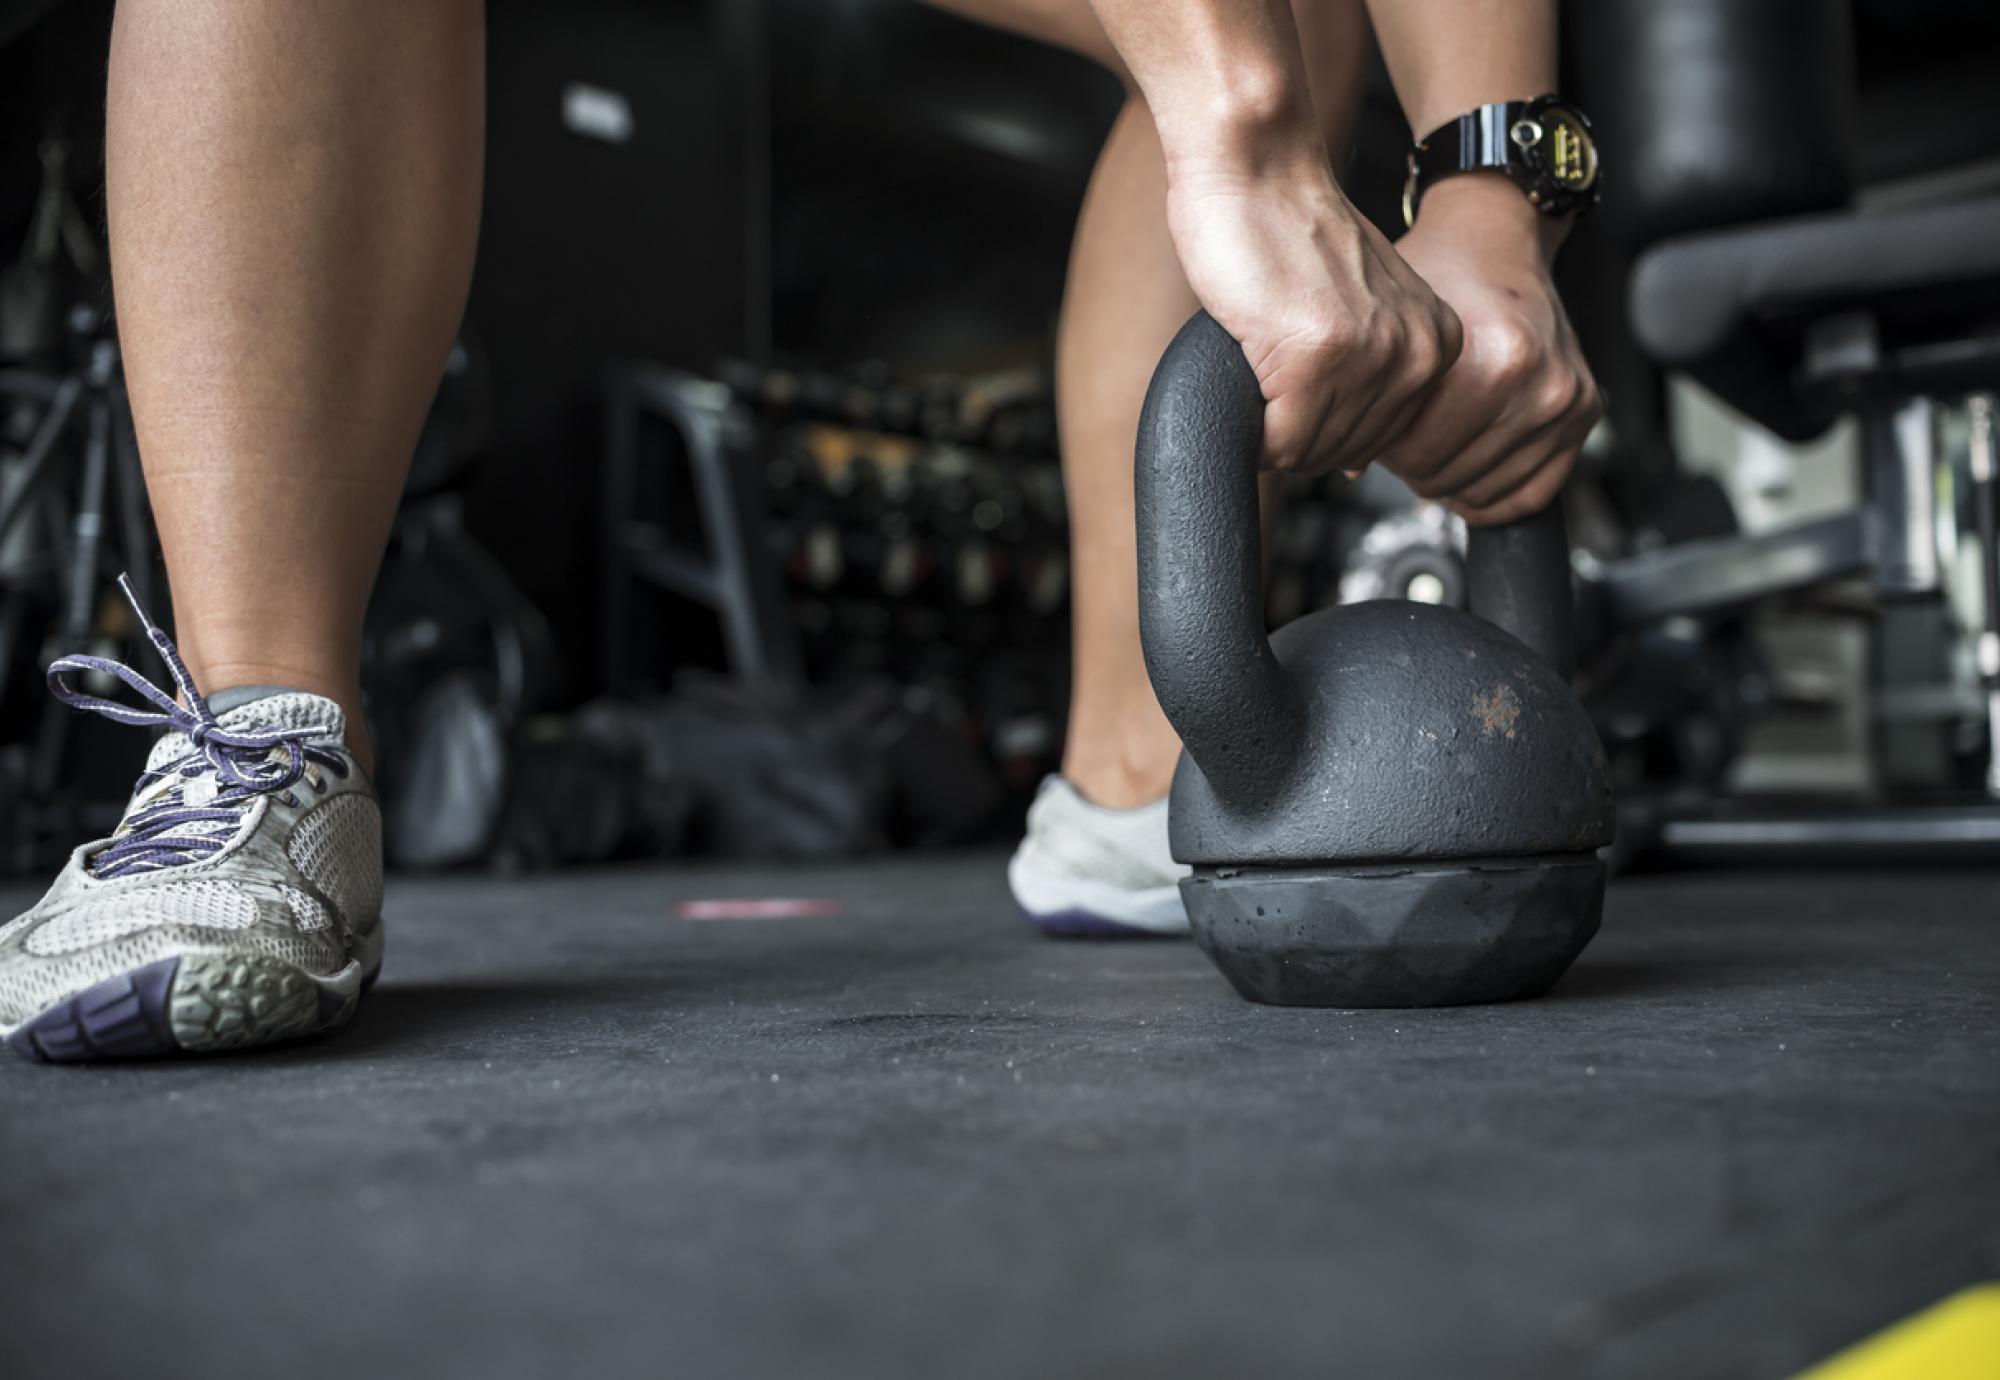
(1201, 578)
(1517, 577)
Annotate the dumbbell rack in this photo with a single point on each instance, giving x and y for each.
(848, 526)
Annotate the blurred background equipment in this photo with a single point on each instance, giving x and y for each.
(73, 513)
(1810, 236)
(454, 657)
(784, 452)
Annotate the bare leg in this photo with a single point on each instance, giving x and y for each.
(294, 196)
(1125, 298)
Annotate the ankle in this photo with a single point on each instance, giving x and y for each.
(215, 677)
(1125, 778)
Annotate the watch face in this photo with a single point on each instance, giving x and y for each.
(1566, 151)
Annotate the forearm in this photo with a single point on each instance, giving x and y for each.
(1224, 81)
(1446, 57)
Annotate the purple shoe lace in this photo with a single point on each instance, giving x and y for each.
(171, 832)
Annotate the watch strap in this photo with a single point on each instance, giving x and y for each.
(1476, 141)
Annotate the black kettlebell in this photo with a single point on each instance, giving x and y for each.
(1385, 804)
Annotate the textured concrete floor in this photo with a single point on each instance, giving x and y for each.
(577, 1134)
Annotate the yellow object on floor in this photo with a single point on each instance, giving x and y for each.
(1958, 1339)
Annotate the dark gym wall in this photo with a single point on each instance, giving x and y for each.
(51, 64)
(926, 173)
(594, 252)
(828, 184)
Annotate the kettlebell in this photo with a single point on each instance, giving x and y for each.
(1383, 804)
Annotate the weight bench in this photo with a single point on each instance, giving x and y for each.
(1795, 322)
(1805, 220)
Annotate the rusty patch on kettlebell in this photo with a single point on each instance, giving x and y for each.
(1497, 710)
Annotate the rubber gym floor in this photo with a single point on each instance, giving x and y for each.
(579, 1130)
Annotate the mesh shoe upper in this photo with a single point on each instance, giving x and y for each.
(250, 833)
(1085, 869)
(296, 875)
(1121, 848)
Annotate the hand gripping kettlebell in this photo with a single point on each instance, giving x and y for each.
(1384, 804)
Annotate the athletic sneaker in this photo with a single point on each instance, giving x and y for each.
(1084, 870)
(239, 901)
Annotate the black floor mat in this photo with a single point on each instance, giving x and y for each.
(575, 1132)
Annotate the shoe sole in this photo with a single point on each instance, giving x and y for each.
(1083, 924)
(197, 1004)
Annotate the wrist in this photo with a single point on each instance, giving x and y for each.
(1490, 206)
(1246, 121)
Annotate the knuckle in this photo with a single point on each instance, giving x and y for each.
(1425, 356)
(1557, 396)
(1508, 352)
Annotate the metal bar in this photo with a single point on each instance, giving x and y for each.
(1852, 835)
(670, 569)
(1723, 572)
(87, 523)
(39, 459)
(708, 456)
(761, 605)
(1985, 468)
(1900, 448)
(28, 384)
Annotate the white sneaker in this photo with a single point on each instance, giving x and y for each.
(1084, 870)
(238, 903)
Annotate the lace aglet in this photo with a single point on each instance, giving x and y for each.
(164, 645)
(153, 633)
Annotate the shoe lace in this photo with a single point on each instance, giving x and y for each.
(173, 830)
